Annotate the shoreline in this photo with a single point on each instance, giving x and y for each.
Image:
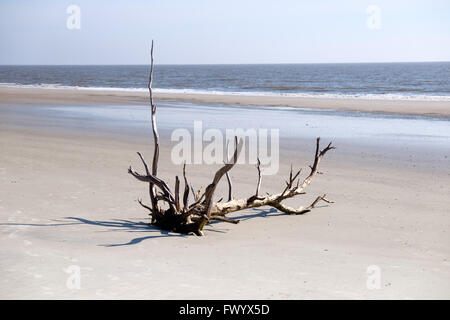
(86, 96)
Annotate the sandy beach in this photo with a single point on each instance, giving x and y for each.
(86, 96)
(66, 201)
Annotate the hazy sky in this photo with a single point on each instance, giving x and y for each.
(224, 31)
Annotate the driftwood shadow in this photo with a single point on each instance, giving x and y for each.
(127, 226)
(130, 226)
(113, 225)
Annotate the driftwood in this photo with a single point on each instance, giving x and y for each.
(191, 218)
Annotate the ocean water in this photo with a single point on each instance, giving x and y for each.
(398, 81)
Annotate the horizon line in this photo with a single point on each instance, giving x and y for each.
(224, 64)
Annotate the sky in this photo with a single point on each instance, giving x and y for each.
(223, 31)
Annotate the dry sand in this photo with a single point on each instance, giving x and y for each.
(82, 96)
(66, 200)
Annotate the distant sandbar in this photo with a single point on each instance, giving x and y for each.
(87, 96)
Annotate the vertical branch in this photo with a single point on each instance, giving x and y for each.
(177, 194)
(230, 187)
(186, 189)
(258, 186)
(154, 127)
(155, 134)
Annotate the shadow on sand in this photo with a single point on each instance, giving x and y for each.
(142, 227)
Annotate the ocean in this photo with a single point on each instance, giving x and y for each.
(425, 81)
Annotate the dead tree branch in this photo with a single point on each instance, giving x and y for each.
(191, 218)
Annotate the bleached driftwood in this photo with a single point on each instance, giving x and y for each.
(191, 218)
